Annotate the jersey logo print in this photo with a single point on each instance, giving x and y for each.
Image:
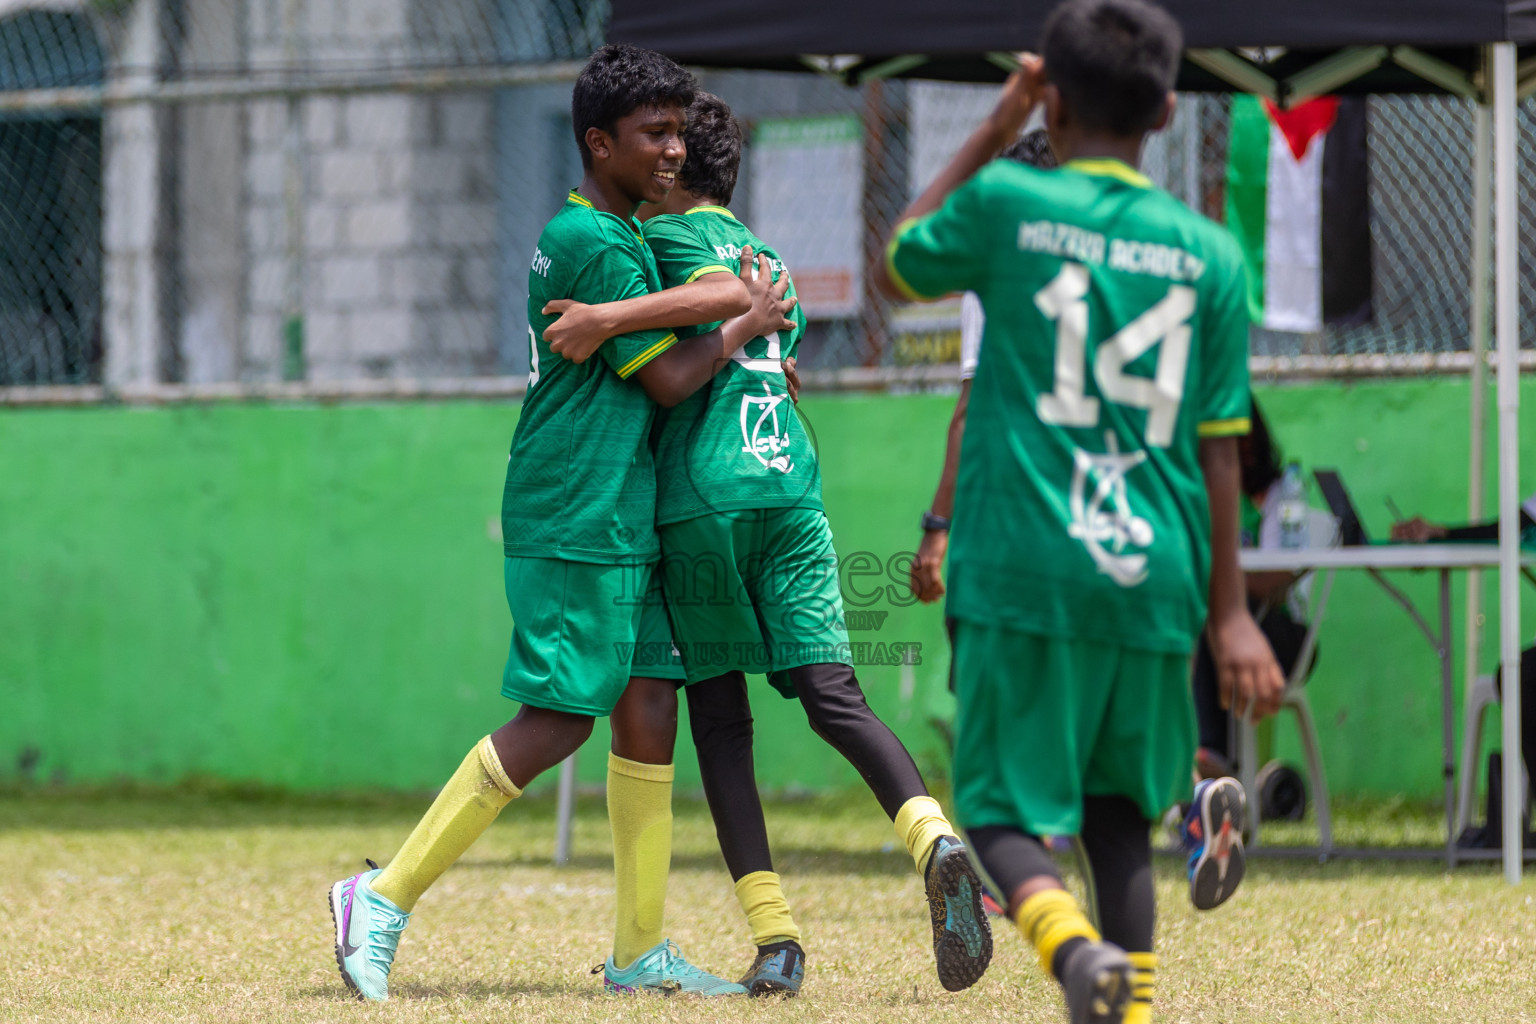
(765, 434)
(1107, 532)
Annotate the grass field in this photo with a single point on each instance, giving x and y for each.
(210, 907)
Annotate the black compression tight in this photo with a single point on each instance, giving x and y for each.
(720, 717)
(839, 714)
(1118, 844)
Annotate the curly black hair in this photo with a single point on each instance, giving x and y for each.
(1113, 61)
(1033, 149)
(713, 138)
(620, 79)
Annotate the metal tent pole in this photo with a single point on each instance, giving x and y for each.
(565, 810)
(1506, 308)
(1477, 483)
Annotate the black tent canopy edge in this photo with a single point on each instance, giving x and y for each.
(1296, 49)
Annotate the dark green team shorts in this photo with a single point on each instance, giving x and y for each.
(656, 656)
(577, 630)
(754, 591)
(1043, 722)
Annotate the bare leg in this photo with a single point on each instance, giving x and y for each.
(537, 740)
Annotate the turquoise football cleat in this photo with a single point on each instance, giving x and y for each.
(368, 928)
(663, 969)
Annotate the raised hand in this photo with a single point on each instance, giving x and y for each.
(1021, 93)
(770, 302)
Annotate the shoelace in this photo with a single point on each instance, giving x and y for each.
(671, 961)
(384, 936)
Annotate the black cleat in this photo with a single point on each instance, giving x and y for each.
(778, 970)
(962, 936)
(1097, 982)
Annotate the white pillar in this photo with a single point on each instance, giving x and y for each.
(134, 224)
(1506, 310)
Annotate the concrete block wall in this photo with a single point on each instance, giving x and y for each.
(398, 242)
(399, 207)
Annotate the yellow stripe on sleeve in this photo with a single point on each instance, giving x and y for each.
(890, 263)
(713, 268)
(646, 356)
(1234, 427)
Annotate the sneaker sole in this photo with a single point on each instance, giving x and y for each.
(333, 900)
(962, 938)
(1211, 885)
(665, 991)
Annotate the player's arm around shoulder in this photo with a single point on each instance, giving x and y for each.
(580, 328)
(688, 365)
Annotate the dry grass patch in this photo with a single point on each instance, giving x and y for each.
(210, 907)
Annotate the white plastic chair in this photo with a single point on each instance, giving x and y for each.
(1320, 525)
(1295, 700)
(1482, 694)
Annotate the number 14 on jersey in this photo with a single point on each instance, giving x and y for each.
(1165, 324)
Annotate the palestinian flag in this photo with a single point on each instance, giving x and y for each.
(1297, 202)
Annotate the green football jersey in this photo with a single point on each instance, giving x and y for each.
(737, 443)
(1116, 337)
(581, 483)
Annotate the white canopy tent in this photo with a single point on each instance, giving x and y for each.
(1286, 52)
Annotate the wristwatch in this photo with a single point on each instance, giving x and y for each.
(932, 522)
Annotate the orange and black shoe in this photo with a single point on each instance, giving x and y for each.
(1213, 837)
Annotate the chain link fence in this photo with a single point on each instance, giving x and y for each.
(251, 192)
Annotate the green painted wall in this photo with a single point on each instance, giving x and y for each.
(310, 596)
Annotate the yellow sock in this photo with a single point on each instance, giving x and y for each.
(1049, 918)
(919, 823)
(640, 814)
(465, 808)
(762, 900)
(1143, 974)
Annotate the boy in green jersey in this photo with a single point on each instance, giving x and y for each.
(1212, 827)
(1095, 527)
(578, 525)
(751, 582)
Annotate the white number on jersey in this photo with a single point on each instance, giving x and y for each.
(768, 362)
(533, 358)
(1165, 324)
(1062, 301)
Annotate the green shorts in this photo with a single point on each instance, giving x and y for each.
(1043, 722)
(656, 656)
(577, 627)
(755, 592)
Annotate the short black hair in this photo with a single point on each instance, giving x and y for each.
(1033, 149)
(713, 138)
(620, 79)
(1113, 61)
(1258, 456)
